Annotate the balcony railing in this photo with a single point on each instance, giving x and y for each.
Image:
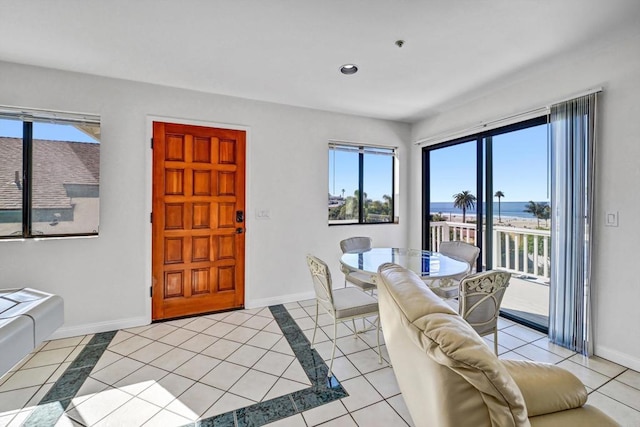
(518, 250)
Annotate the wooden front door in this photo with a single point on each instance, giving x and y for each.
(198, 220)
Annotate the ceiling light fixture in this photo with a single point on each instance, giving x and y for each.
(349, 69)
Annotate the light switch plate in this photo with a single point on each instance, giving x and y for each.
(611, 219)
(263, 214)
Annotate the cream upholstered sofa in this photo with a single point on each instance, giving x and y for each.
(449, 377)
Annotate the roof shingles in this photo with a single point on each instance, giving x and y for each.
(55, 163)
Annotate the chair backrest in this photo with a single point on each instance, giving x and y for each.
(321, 277)
(355, 244)
(480, 296)
(462, 252)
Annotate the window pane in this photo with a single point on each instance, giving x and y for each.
(521, 221)
(378, 185)
(452, 180)
(10, 177)
(343, 185)
(66, 179)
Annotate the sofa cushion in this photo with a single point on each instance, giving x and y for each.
(450, 341)
(447, 339)
(546, 388)
(413, 299)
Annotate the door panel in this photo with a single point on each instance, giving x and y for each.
(198, 239)
(520, 173)
(510, 166)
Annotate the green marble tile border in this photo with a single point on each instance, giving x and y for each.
(59, 396)
(323, 390)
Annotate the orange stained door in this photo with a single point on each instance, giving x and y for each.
(198, 241)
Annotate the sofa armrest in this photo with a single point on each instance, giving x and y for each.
(546, 388)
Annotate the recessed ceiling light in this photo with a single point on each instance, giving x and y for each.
(349, 69)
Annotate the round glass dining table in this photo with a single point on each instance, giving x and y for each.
(426, 264)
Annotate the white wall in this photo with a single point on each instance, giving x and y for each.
(105, 280)
(615, 67)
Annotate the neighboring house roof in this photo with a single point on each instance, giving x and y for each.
(55, 163)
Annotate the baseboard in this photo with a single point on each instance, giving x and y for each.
(94, 328)
(283, 299)
(111, 325)
(618, 357)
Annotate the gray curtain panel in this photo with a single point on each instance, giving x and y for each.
(573, 144)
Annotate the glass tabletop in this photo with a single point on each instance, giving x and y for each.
(424, 263)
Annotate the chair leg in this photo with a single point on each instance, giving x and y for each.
(495, 341)
(355, 331)
(333, 349)
(315, 327)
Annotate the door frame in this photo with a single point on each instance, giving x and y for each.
(484, 191)
(148, 204)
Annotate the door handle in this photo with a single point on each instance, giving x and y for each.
(239, 230)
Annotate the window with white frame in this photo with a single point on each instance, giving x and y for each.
(361, 183)
(49, 173)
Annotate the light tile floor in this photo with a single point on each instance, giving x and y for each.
(182, 371)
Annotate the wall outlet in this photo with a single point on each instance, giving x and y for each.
(611, 219)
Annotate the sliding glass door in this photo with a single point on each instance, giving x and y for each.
(522, 209)
(452, 174)
(491, 190)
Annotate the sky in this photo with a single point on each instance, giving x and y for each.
(55, 132)
(343, 174)
(519, 167)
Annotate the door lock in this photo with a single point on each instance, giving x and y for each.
(239, 216)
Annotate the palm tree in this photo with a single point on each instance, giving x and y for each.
(387, 201)
(535, 209)
(387, 206)
(499, 194)
(464, 201)
(356, 210)
(546, 214)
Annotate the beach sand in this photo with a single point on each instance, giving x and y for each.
(530, 223)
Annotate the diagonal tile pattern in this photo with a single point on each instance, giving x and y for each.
(252, 367)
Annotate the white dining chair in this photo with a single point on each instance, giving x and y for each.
(461, 251)
(480, 296)
(357, 278)
(342, 304)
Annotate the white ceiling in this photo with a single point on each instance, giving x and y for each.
(289, 51)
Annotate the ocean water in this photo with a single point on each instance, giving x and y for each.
(507, 209)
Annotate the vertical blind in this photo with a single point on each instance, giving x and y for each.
(573, 144)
